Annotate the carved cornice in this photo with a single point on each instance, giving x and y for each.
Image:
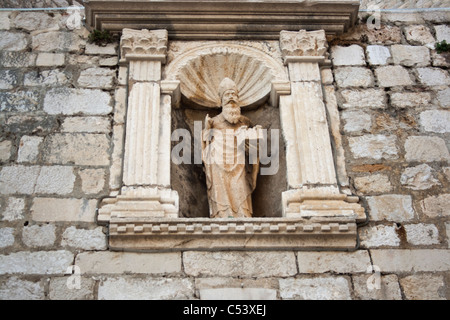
(304, 46)
(143, 44)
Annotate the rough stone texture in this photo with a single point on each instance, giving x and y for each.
(422, 234)
(19, 101)
(442, 33)
(356, 121)
(423, 287)
(378, 55)
(5, 150)
(102, 78)
(84, 239)
(365, 98)
(60, 290)
(56, 41)
(318, 288)
(436, 206)
(391, 207)
(14, 209)
(419, 35)
(354, 77)
(92, 180)
(39, 236)
(336, 262)
(348, 56)
(55, 180)
(443, 97)
(15, 288)
(50, 59)
(389, 288)
(375, 183)
(86, 124)
(419, 178)
(410, 56)
(374, 146)
(53, 209)
(29, 149)
(6, 237)
(379, 236)
(433, 77)
(391, 76)
(46, 78)
(10, 41)
(18, 179)
(435, 121)
(85, 101)
(419, 260)
(410, 99)
(31, 21)
(8, 79)
(426, 149)
(40, 262)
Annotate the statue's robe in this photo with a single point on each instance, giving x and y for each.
(230, 178)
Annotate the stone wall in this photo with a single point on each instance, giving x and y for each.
(62, 106)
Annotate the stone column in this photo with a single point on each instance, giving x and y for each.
(146, 189)
(314, 190)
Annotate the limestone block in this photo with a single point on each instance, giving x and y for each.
(238, 294)
(353, 77)
(419, 35)
(29, 149)
(39, 236)
(95, 77)
(318, 288)
(391, 207)
(56, 41)
(109, 49)
(244, 264)
(8, 79)
(31, 21)
(389, 288)
(46, 78)
(436, 206)
(59, 290)
(84, 239)
(422, 234)
(120, 106)
(363, 98)
(443, 97)
(356, 121)
(6, 237)
(433, 77)
(379, 236)
(447, 231)
(18, 179)
(411, 56)
(326, 76)
(442, 33)
(375, 183)
(410, 99)
(17, 59)
(17, 289)
(391, 76)
(435, 121)
(92, 180)
(426, 149)
(5, 22)
(85, 101)
(86, 124)
(20, 101)
(46, 59)
(109, 62)
(14, 209)
(115, 174)
(374, 147)
(76, 148)
(109, 262)
(348, 56)
(13, 41)
(55, 180)
(53, 209)
(423, 287)
(334, 262)
(5, 150)
(378, 55)
(145, 289)
(39, 262)
(419, 260)
(421, 177)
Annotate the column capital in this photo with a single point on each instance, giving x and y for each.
(143, 45)
(304, 46)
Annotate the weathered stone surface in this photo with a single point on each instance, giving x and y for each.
(353, 77)
(18, 179)
(442, 33)
(5, 150)
(363, 98)
(389, 288)
(419, 35)
(56, 41)
(378, 55)
(46, 78)
(108, 62)
(31, 21)
(356, 121)
(336, 262)
(410, 99)
(52, 209)
(419, 178)
(318, 288)
(102, 78)
(20, 101)
(55, 180)
(374, 146)
(423, 287)
(17, 59)
(378, 236)
(411, 56)
(348, 56)
(391, 207)
(39, 236)
(435, 121)
(60, 290)
(5, 22)
(29, 149)
(443, 97)
(6, 237)
(40, 262)
(422, 234)
(433, 77)
(8, 79)
(12, 41)
(426, 149)
(375, 183)
(92, 180)
(419, 260)
(127, 262)
(14, 209)
(17, 289)
(391, 76)
(84, 239)
(145, 289)
(45, 59)
(85, 101)
(86, 124)
(447, 231)
(109, 49)
(244, 264)
(436, 206)
(76, 148)
(238, 294)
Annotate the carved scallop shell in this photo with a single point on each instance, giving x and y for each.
(200, 78)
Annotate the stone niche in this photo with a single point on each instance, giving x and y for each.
(173, 80)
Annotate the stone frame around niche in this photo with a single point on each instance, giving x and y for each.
(318, 210)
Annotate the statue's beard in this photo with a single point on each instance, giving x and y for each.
(231, 112)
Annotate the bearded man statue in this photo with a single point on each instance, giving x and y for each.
(227, 141)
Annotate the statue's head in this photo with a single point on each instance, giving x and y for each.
(229, 96)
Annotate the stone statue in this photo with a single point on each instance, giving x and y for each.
(229, 152)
